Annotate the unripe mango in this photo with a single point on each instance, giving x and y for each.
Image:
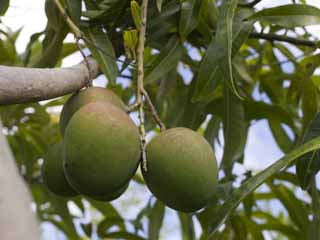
(53, 174)
(78, 100)
(181, 169)
(102, 149)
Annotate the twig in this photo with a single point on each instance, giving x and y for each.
(153, 111)
(140, 77)
(274, 37)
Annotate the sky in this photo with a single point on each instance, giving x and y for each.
(261, 150)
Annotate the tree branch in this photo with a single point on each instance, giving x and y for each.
(274, 37)
(16, 218)
(140, 78)
(23, 85)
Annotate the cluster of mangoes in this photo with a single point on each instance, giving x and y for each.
(101, 152)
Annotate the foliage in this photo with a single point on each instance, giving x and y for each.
(246, 55)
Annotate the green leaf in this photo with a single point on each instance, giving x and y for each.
(105, 208)
(280, 135)
(107, 223)
(209, 12)
(122, 235)
(309, 103)
(159, 5)
(136, 14)
(189, 17)
(187, 226)
(4, 4)
(314, 227)
(219, 53)
(74, 9)
(167, 59)
(52, 47)
(212, 130)
(53, 15)
(295, 207)
(251, 184)
(308, 165)
(102, 50)
(155, 220)
(234, 130)
(291, 15)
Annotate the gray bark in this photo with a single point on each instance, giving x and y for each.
(24, 85)
(16, 218)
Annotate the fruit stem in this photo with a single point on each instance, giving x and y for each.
(140, 77)
(153, 110)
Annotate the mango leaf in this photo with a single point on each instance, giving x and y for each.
(304, 71)
(291, 15)
(109, 222)
(155, 220)
(187, 226)
(122, 235)
(314, 227)
(102, 50)
(136, 14)
(280, 135)
(159, 5)
(234, 130)
(74, 10)
(52, 47)
(274, 224)
(4, 4)
(60, 206)
(53, 15)
(295, 207)
(239, 227)
(219, 53)
(309, 103)
(209, 13)
(165, 61)
(251, 184)
(189, 17)
(308, 165)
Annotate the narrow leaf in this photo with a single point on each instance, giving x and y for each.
(234, 129)
(159, 5)
(250, 185)
(187, 226)
(136, 14)
(155, 220)
(102, 50)
(74, 9)
(165, 61)
(4, 4)
(291, 15)
(189, 17)
(308, 165)
(220, 52)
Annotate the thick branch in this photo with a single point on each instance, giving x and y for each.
(16, 218)
(23, 85)
(275, 37)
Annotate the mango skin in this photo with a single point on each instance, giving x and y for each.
(102, 149)
(111, 196)
(181, 169)
(78, 100)
(53, 173)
